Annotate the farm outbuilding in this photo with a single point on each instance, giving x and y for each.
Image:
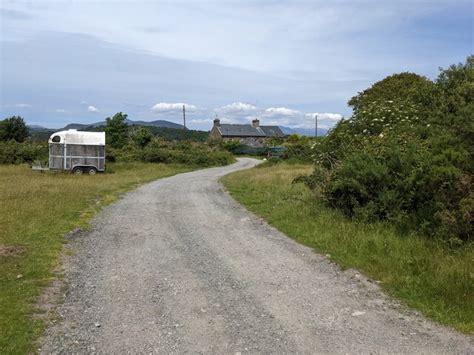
(77, 151)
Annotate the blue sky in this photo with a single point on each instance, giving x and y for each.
(281, 61)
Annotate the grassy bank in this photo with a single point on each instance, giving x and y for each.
(423, 274)
(35, 211)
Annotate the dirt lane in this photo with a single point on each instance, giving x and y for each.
(178, 267)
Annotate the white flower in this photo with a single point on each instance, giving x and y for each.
(381, 135)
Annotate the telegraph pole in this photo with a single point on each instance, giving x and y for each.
(184, 117)
(315, 125)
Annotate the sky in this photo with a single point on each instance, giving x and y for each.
(280, 61)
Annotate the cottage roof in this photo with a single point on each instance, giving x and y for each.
(246, 130)
(240, 130)
(272, 131)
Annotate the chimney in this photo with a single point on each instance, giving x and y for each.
(217, 122)
(256, 123)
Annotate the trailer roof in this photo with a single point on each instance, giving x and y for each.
(73, 136)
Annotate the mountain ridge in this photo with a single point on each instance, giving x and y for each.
(303, 131)
(156, 123)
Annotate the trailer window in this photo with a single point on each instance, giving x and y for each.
(56, 139)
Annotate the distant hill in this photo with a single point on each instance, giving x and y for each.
(160, 128)
(37, 128)
(304, 131)
(157, 123)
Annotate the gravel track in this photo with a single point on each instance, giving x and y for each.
(177, 266)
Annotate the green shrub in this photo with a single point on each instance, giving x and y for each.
(406, 155)
(13, 152)
(300, 151)
(140, 136)
(230, 145)
(182, 152)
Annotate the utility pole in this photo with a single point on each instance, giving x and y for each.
(184, 117)
(315, 125)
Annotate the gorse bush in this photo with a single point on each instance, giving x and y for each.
(184, 152)
(298, 148)
(13, 152)
(406, 155)
(14, 146)
(180, 152)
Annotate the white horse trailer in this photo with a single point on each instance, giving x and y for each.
(77, 151)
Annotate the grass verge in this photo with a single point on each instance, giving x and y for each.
(421, 273)
(36, 210)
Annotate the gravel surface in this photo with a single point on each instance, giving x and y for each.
(177, 266)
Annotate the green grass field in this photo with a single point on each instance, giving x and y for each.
(36, 210)
(421, 273)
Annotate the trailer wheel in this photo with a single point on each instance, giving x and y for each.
(77, 171)
(91, 171)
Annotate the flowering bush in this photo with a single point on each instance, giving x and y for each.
(406, 155)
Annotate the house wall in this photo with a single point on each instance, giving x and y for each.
(250, 141)
(214, 134)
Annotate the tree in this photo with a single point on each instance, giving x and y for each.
(13, 128)
(116, 130)
(457, 85)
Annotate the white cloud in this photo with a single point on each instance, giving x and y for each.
(333, 117)
(320, 29)
(237, 107)
(234, 120)
(201, 120)
(61, 110)
(281, 111)
(16, 106)
(165, 107)
(93, 109)
(243, 113)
